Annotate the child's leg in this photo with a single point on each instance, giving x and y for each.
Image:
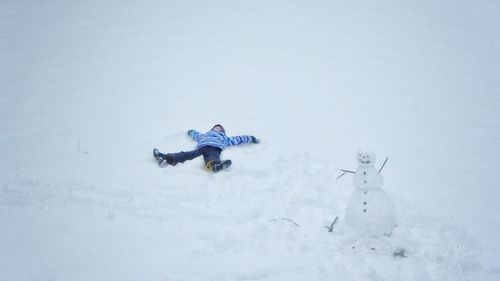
(180, 157)
(210, 154)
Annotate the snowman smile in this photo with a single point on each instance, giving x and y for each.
(364, 161)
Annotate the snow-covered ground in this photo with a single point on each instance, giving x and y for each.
(88, 88)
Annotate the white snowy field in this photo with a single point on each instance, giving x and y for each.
(88, 88)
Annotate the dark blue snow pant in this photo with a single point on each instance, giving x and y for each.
(210, 153)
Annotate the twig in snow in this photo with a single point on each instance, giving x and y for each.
(401, 253)
(344, 172)
(386, 158)
(286, 219)
(330, 228)
(79, 150)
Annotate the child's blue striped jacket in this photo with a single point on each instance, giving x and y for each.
(217, 139)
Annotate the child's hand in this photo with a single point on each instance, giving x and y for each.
(255, 140)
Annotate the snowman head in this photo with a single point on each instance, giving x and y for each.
(365, 157)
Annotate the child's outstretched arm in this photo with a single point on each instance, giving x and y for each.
(242, 140)
(194, 134)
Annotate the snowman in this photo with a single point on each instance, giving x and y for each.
(370, 210)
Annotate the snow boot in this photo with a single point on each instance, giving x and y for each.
(156, 153)
(163, 159)
(217, 166)
(157, 156)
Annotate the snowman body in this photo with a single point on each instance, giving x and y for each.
(370, 209)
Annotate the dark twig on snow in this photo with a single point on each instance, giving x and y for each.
(387, 158)
(341, 175)
(330, 228)
(401, 253)
(344, 172)
(347, 171)
(79, 150)
(286, 219)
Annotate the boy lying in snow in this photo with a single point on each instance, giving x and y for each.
(210, 145)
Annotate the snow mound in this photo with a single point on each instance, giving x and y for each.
(245, 224)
